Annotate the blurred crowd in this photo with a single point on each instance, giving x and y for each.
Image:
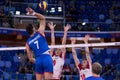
(98, 15)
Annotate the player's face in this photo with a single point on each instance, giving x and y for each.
(58, 52)
(84, 63)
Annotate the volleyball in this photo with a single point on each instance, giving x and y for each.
(43, 5)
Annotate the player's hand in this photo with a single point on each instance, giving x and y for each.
(32, 60)
(30, 11)
(51, 25)
(73, 40)
(86, 38)
(67, 27)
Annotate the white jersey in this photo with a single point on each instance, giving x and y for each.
(84, 73)
(58, 65)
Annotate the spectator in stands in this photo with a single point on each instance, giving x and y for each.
(10, 19)
(0, 58)
(7, 3)
(67, 69)
(106, 68)
(22, 58)
(60, 2)
(71, 78)
(74, 71)
(68, 17)
(29, 66)
(5, 23)
(17, 0)
(26, 67)
(73, 12)
(63, 78)
(112, 68)
(1, 16)
(22, 69)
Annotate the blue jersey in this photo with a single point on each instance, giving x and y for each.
(94, 78)
(38, 44)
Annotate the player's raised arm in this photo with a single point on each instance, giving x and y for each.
(51, 26)
(29, 54)
(39, 16)
(73, 40)
(66, 28)
(87, 49)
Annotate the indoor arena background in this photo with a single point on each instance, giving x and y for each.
(99, 18)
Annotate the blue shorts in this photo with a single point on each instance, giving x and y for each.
(43, 64)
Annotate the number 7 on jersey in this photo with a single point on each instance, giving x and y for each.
(36, 43)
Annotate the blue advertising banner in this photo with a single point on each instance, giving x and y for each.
(112, 34)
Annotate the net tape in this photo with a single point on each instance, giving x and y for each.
(68, 46)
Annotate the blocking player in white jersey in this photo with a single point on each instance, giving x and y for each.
(86, 65)
(58, 55)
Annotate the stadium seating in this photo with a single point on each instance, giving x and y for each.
(6, 76)
(8, 66)
(13, 76)
(21, 76)
(2, 66)
(97, 13)
(29, 76)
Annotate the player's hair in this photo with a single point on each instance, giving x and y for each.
(29, 29)
(96, 68)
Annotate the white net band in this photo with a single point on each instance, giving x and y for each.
(69, 45)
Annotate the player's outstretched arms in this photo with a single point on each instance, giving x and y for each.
(87, 49)
(52, 26)
(29, 54)
(66, 28)
(42, 25)
(73, 41)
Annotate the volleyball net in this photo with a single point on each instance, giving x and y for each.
(10, 57)
(69, 46)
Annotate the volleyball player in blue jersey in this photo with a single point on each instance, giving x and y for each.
(96, 71)
(37, 43)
